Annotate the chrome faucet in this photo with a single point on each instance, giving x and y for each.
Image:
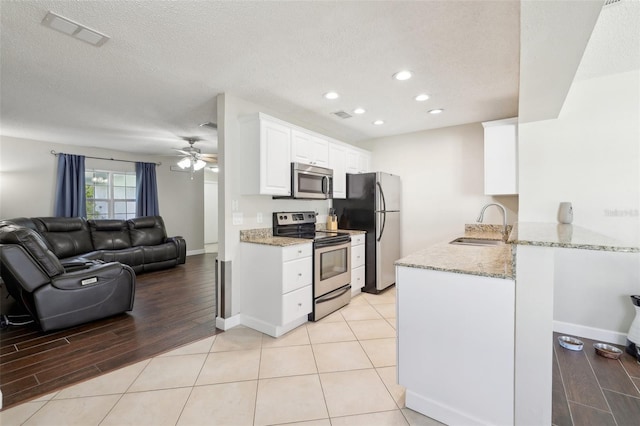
(504, 216)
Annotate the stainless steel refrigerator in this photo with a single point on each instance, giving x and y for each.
(373, 205)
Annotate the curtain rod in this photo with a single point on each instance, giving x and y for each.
(103, 158)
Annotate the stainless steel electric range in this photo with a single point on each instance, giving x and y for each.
(331, 260)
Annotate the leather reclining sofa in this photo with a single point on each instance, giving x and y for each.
(141, 243)
(68, 271)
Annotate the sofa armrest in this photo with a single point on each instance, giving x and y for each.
(181, 246)
(79, 264)
(99, 274)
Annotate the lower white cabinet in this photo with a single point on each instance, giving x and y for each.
(277, 294)
(357, 263)
(456, 346)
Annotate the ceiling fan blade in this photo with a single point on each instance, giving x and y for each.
(183, 152)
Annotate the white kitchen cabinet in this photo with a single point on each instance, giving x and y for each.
(501, 157)
(338, 163)
(266, 145)
(456, 345)
(309, 149)
(277, 294)
(358, 161)
(357, 263)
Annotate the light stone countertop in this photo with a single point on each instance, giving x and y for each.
(265, 236)
(565, 236)
(486, 261)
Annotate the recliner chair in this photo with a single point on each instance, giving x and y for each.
(61, 295)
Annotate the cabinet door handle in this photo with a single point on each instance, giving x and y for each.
(300, 304)
(299, 274)
(299, 251)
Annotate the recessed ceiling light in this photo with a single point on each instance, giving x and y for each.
(421, 97)
(378, 123)
(436, 111)
(359, 111)
(402, 75)
(331, 95)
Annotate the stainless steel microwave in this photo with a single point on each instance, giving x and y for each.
(311, 182)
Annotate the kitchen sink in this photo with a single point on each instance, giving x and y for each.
(477, 242)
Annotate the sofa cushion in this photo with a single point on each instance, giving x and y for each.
(33, 244)
(109, 234)
(159, 253)
(147, 231)
(66, 236)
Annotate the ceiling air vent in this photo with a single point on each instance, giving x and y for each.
(342, 114)
(610, 2)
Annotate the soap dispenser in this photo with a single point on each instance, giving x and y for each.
(633, 337)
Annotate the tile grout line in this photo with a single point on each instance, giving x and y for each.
(147, 361)
(186, 401)
(601, 389)
(564, 387)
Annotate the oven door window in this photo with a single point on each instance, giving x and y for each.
(333, 263)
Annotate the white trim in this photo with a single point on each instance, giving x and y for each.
(270, 329)
(194, 252)
(227, 323)
(438, 411)
(593, 333)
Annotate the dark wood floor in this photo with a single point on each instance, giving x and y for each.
(591, 390)
(172, 307)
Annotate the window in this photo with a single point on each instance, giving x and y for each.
(110, 195)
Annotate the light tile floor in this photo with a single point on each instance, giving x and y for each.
(338, 371)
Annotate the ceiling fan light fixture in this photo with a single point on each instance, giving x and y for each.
(185, 163)
(199, 164)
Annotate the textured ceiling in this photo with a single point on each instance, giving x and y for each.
(157, 77)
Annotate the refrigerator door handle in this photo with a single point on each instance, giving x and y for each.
(383, 211)
(384, 202)
(384, 221)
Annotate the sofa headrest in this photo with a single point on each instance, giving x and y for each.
(147, 231)
(66, 236)
(60, 224)
(109, 234)
(33, 244)
(24, 221)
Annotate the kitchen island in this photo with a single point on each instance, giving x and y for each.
(456, 332)
(475, 327)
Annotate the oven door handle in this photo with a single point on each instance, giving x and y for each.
(330, 296)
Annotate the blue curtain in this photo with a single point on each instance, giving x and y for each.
(70, 190)
(146, 190)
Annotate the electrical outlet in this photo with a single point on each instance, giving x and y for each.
(234, 205)
(259, 217)
(238, 218)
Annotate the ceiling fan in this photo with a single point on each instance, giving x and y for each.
(192, 157)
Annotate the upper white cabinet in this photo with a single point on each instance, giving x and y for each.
(501, 157)
(309, 149)
(266, 144)
(270, 145)
(358, 161)
(338, 162)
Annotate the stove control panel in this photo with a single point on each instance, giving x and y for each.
(293, 218)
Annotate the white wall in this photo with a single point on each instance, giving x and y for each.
(589, 155)
(442, 182)
(28, 175)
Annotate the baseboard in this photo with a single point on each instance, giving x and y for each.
(438, 411)
(270, 329)
(194, 252)
(227, 323)
(593, 333)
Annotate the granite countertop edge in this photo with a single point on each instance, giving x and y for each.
(264, 236)
(504, 276)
